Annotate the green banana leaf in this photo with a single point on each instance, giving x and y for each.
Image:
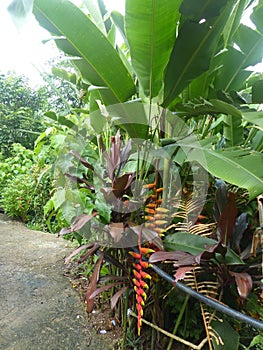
(257, 91)
(233, 75)
(233, 130)
(212, 106)
(234, 21)
(194, 47)
(96, 58)
(254, 117)
(95, 12)
(151, 30)
(240, 167)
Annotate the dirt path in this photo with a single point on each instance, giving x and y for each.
(39, 310)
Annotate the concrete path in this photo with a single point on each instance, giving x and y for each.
(39, 310)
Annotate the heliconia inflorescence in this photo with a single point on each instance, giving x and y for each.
(140, 275)
(156, 220)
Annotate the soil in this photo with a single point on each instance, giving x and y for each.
(39, 308)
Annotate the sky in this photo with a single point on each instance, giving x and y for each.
(23, 50)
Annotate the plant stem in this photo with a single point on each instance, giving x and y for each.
(178, 321)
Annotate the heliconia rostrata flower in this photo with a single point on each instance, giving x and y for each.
(139, 281)
(156, 219)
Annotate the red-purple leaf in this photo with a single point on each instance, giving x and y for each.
(77, 251)
(116, 296)
(244, 283)
(79, 180)
(120, 184)
(81, 220)
(82, 160)
(90, 252)
(116, 230)
(93, 283)
(180, 273)
(104, 288)
(179, 258)
(163, 256)
(64, 231)
(238, 232)
(228, 219)
(125, 153)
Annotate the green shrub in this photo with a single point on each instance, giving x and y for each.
(25, 186)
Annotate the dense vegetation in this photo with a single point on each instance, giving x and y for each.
(159, 163)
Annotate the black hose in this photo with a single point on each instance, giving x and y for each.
(211, 302)
(204, 299)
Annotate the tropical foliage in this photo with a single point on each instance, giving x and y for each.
(163, 161)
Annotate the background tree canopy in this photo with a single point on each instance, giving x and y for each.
(22, 108)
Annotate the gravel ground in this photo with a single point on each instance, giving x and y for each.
(39, 310)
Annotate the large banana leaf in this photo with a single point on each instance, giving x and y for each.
(98, 61)
(241, 167)
(233, 130)
(234, 21)
(150, 27)
(254, 117)
(194, 47)
(234, 62)
(95, 11)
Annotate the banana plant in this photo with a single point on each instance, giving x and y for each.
(175, 52)
(186, 57)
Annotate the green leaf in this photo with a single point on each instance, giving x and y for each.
(257, 16)
(94, 9)
(59, 198)
(212, 106)
(258, 339)
(187, 242)
(233, 130)
(101, 65)
(192, 52)
(254, 117)
(195, 244)
(225, 108)
(202, 9)
(233, 62)
(230, 338)
(240, 167)
(133, 117)
(118, 20)
(63, 74)
(150, 27)
(234, 21)
(257, 92)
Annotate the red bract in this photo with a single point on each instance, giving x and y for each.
(139, 284)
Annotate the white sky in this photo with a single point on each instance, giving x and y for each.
(22, 50)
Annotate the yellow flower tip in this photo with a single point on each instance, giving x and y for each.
(160, 222)
(162, 210)
(145, 275)
(146, 250)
